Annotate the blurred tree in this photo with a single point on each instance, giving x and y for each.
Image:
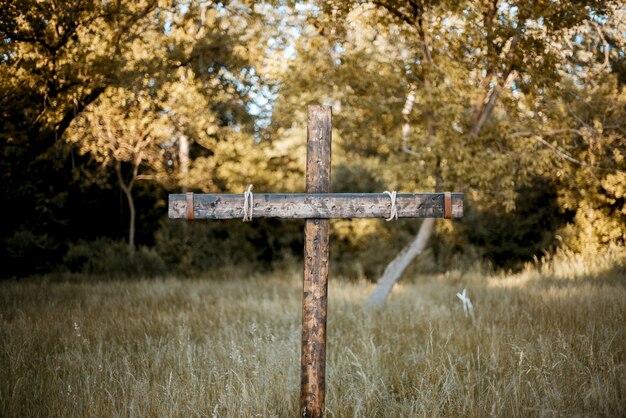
(488, 97)
(138, 77)
(124, 129)
(56, 59)
(442, 86)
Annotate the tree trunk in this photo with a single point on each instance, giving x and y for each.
(131, 210)
(487, 108)
(395, 269)
(128, 192)
(183, 158)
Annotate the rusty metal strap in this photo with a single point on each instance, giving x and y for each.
(447, 205)
(189, 199)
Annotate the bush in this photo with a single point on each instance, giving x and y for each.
(25, 253)
(201, 247)
(508, 239)
(113, 258)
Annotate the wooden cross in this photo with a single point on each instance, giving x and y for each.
(317, 206)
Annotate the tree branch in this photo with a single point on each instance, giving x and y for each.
(396, 12)
(560, 152)
(487, 108)
(605, 64)
(71, 114)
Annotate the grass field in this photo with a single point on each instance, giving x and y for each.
(544, 342)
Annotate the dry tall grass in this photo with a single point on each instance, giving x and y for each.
(544, 343)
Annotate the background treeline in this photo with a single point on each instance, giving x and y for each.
(106, 107)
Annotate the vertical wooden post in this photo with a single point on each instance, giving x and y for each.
(316, 258)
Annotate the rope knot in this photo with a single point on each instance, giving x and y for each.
(394, 207)
(248, 204)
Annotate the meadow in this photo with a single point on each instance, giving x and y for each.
(546, 341)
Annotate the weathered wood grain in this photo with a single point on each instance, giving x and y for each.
(321, 206)
(316, 260)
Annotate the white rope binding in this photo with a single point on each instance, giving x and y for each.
(248, 204)
(394, 208)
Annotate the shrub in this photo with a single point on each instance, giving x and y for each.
(206, 246)
(504, 238)
(26, 252)
(113, 258)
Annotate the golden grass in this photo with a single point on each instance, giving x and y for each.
(539, 346)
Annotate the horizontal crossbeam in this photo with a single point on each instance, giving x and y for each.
(319, 205)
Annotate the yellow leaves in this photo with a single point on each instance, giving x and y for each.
(354, 231)
(201, 175)
(615, 185)
(596, 222)
(240, 161)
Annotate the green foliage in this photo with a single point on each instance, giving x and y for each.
(593, 187)
(205, 247)
(498, 95)
(89, 86)
(112, 259)
(361, 248)
(356, 178)
(159, 96)
(510, 238)
(29, 253)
